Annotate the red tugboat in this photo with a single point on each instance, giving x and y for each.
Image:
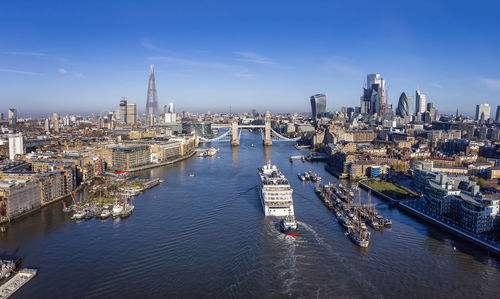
(289, 226)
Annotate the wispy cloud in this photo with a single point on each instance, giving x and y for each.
(243, 74)
(249, 56)
(26, 53)
(491, 83)
(19, 72)
(437, 85)
(193, 63)
(38, 54)
(76, 74)
(146, 43)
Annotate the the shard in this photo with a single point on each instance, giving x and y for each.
(152, 101)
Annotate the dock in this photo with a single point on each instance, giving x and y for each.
(15, 283)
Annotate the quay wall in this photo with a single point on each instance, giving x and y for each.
(455, 231)
(492, 248)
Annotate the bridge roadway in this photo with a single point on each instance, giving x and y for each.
(223, 126)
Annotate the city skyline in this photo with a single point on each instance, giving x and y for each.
(204, 61)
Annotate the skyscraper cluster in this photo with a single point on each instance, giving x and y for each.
(373, 99)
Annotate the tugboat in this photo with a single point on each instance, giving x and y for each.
(289, 226)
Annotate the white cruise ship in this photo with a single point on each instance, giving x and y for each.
(275, 192)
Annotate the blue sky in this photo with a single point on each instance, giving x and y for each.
(83, 56)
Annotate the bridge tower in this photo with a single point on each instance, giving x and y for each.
(235, 141)
(267, 129)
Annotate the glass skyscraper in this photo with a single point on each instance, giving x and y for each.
(405, 105)
(318, 105)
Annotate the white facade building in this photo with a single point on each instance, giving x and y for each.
(16, 146)
(419, 102)
(483, 112)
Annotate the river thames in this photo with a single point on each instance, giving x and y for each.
(206, 236)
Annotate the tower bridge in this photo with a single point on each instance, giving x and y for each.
(234, 132)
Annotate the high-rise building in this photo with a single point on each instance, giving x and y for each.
(497, 117)
(483, 112)
(419, 102)
(1, 115)
(123, 110)
(16, 146)
(131, 114)
(373, 99)
(152, 100)
(170, 116)
(55, 121)
(12, 116)
(318, 105)
(47, 125)
(405, 106)
(66, 121)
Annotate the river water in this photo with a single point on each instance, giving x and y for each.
(206, 236)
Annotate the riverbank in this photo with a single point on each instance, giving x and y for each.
(5, 221)
(405, 205)
(187, 156)
(44, 204)
(490, 247)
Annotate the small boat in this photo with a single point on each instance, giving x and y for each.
(372, 223)
(79, 215)
(387, 223)
(105, 214)
(127, 210)
(301, 177)
(117, 210)
(289, 226)
(191, 175)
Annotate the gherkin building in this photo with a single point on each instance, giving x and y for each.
(404, 106)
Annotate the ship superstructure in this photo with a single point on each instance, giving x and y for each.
(275, 192)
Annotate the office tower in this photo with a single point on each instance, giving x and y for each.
(12, 116)
(170, 116)
(47, 125)
(373, 99)
(350, 112)
(123, 110)
(419, 102)
(497, 117)
(15, 145)
(131, 114)
(405, 106)
(482, 112)
(55, 120)
(152, 101)
(1, 116)
(318, 105)
(66, 121)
